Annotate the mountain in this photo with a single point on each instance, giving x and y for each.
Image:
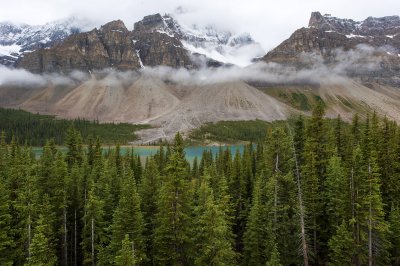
(17, 39)
(374, 41)
(109, 46)
(65, 45)
(219, 45)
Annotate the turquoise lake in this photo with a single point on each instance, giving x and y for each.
(143, 151)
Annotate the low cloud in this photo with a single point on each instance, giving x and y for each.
(19, 77)
(361, 60)
(24, 78)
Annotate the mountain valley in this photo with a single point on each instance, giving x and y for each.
(156, 74)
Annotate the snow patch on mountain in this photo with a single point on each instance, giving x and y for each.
(10, 50)
(17, 38)
(220, 45)
(355, 36)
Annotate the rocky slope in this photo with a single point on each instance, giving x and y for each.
(171, 107)
(374, 41)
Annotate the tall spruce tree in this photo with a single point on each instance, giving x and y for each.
(256, 229)
(172, 236)
(149, 191)
(126, 256)
(212, 231)
(6, 239)
(341, 246)
(394, 223)
(313, 175)
(128, 219)
(93, 234)
(337, 194)
(43, 249)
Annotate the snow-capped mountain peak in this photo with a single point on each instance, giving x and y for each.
(15, 39)
(215, 44)
(220, 45)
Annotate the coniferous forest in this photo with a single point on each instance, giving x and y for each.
(318, 192)
(35, 129)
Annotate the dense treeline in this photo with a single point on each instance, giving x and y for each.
(35, 129)
(233, 131)
(315, 193)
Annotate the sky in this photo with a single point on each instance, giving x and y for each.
(268, 21)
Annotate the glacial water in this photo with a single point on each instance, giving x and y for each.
(144, 151)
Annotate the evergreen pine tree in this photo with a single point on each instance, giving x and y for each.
(41, 249)
(256, 231)
(337, 194)
(313, 175)
(274, 257)
(213, 245)
(126, 256)
(172, 236)
(6, 239)
(341, 246)
(128, 219)
(149, 190)
(394, 223)
(93, 231)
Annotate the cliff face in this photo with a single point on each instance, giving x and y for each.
(112, 46)
(155, 40)
(157, 44)
(17, 38)
(329, 37)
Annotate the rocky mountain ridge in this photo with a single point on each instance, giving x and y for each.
(376, 41)
(17, 39)
(156, 40)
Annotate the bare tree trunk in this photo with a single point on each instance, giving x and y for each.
(370, 220)
(353, 212)
(65, 237)
(301, 206)
(29, 236)
(133, 252)
(276, 190)
(357, 225)
(352, 194)
(93, 262)
(85, 208)
(315, 238)
(75, 255)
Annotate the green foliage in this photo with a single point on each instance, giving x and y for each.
(128, 219)
(6, 239)
(213, 246)
(86, 207)
(42, 249)
(337, 193)
(274, 258)
(172, 235)
(256, 229)
(35, 129)
(126, 255)
(341, 246)
(232, 131)
(394, 223)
